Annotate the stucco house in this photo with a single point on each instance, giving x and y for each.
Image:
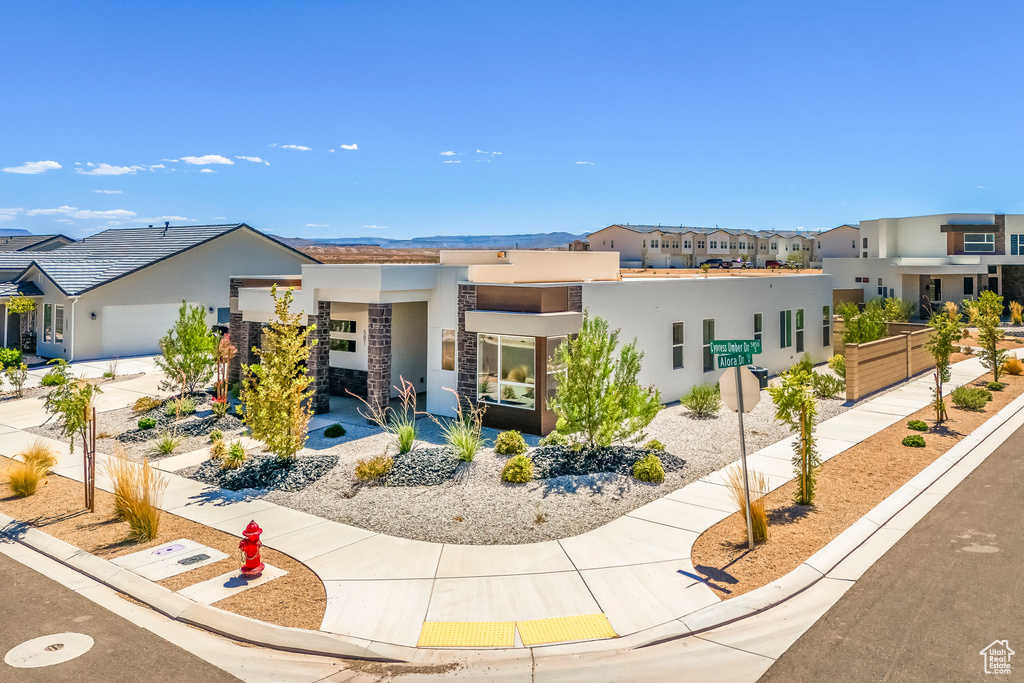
(117, 292)
(486, 324)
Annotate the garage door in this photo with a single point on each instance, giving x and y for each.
(136, 330)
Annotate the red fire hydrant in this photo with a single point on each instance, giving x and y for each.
(250, 546)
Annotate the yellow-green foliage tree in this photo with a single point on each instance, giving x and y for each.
(947, 329)
(795, 407)
(276, 390)
(989, 307)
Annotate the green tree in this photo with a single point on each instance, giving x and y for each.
(797, 261)
(70, 402)
(896, 310)
(276, 390)
(188, 351)
(598, 400)
(863, 326)
(796, 407)
(21, 305)
(947, 329)
(989, 307)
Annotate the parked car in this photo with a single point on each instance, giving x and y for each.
(772, 263)
(740, 263)
(717, 263)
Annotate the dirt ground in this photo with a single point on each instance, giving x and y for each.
(370, 254)
(296, 599)
(1007, 343)
(848, 486)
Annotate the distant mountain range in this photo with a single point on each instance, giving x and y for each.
(4, 232)
(545, 240)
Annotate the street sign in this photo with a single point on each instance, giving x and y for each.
(750, 387)
(747, 346)
(734, 360)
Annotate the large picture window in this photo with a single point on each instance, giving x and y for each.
(980, 242)
(506, 370)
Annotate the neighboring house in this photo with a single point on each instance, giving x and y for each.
(677, 246)
(116, 293)
(486, 323)
(839, 242)
(579, 245)
(33, 242)
(935, 259)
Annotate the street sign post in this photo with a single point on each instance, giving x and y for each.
(734, 360)
(747, 346)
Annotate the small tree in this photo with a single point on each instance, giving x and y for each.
(22, 305)
(863, 326)
(598, 400)
(947, 328)
(276, 390)
(797, 261)
(704, 268)
(188, 351)
(222, 357)
(796, 407)
(70, 402)
(989, 307)
(896, 310)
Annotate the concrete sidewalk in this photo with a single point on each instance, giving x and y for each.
(635, 570)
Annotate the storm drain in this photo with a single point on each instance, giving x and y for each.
(48, 650)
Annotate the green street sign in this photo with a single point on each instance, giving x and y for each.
(734, 360)
(747, 346)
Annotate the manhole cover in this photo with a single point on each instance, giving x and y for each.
(168, 549)
(194, 559)
(48, 650)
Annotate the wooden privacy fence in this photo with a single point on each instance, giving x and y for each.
(878, 364)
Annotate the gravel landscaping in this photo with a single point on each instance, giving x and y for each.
(264, 470)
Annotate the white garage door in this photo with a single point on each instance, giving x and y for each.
(136, 330)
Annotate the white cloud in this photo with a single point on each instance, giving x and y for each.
(302, 148)
(90, 164)
(255, 160)
(332, 150)
(480, 151)
(107, 169)
(156, 166)
(63, 220)
(584, 163)
(375, 227)
(220, 218)
(207, 170)
(8, 214)
(498, 153)
(33, 167)
(160, 219)
(207, 159)
(82, 214)
(317, 225)
(350, 147)
(452, 161)
(169, 160)
(449, 153)
(107, 191)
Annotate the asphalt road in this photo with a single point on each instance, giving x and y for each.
(32, 605)
(946, 590)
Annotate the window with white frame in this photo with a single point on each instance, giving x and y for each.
(677, 345)
(342, 335)
(506, 370)
(1016, 245)
(775, 246)
(654, 244)
(758, 325)
(979, 242)
(58, 324)
(826, 326)
(714, 244)
(447, 349)
(799, 330)
(48, 323)
(686, 245)
(700, 244)
(709, 336)
(785, 329)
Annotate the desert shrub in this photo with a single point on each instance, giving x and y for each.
(649, 469)
(805, 364)
(898, 310)
(137, 488)
(1012, 366)
(219, 408)
(554, 439)
(180, 407)
(510, 443)
(464, 433)
(758, 484)
(111, 371)
(216, 435)
(703, 400)
(517, 470)
(335, 431)
(399, 423)
(53, 377)
(863, 326)
(914, 441)
(40, 454)
(1016, 313)
(234, 457)
(218, 450)
(374, 468)
(405, 434)
(654, 445)
(9, 357)
(25, 478)
(17, 375)
(970, 398)
(147, 423)
(837, 364)
(146, 404)
(995, 386)
(166, 443)
(918, 425)
(827, 386)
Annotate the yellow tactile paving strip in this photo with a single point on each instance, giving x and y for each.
(564, 629)
(468, 634)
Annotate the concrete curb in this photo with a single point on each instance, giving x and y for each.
(178, 607)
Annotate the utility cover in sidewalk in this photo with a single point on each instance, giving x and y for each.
(170, 559)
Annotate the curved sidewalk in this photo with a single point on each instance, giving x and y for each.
(635, 570)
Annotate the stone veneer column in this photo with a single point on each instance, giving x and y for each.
(378, 355)
(466, 348)
(234, 330)
(576, 298)
(319, 359)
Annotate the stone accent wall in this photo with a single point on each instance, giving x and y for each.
(378, 352)
(576, 298)
(248, 337)
(344, 380)
(235, 330)
(319, 359)
(1000, 223)
(466, 347)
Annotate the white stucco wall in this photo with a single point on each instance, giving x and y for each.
(646, 309)
(409, 344)
(841, 242)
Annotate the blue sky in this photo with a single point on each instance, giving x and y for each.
(558, 116)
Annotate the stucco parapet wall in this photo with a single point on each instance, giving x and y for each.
(257, 305)
(524, 324)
